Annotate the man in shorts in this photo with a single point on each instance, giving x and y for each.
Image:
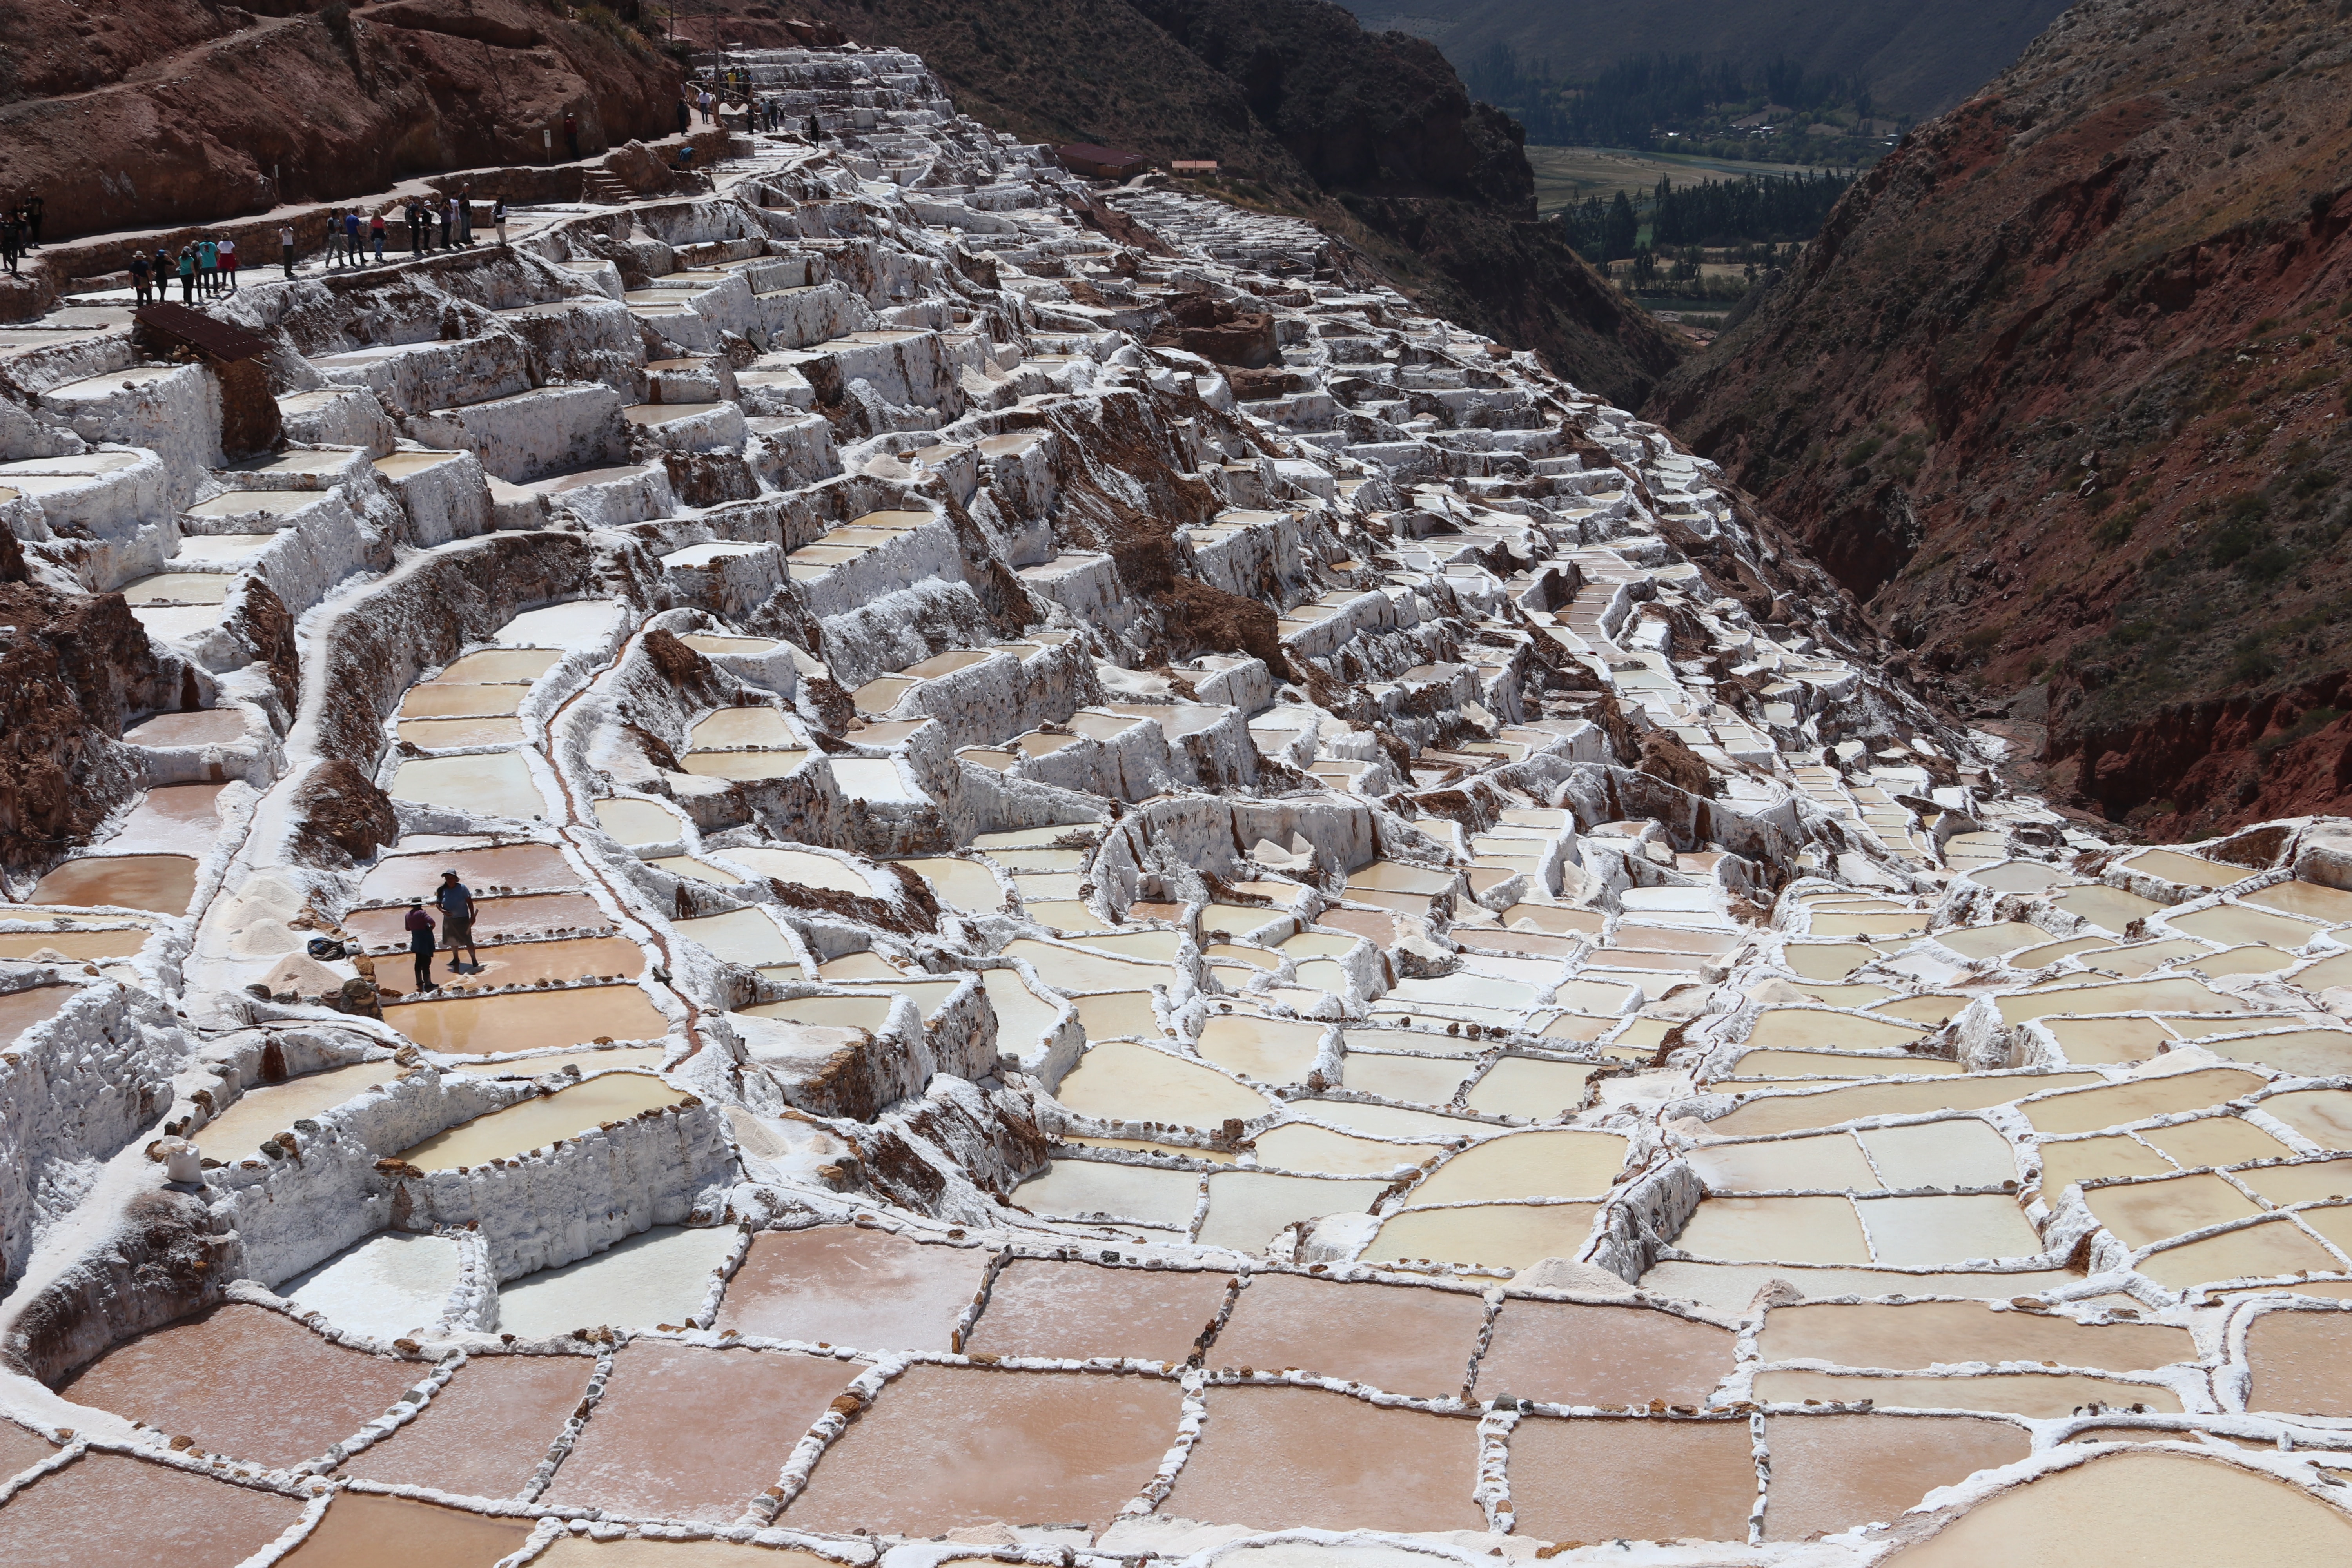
(457, 904)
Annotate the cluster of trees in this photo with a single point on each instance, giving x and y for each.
(1634, 102)
(1750, 214)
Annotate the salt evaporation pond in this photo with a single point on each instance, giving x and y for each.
(534, 1124)
(660, 1275)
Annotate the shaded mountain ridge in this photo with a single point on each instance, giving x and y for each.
(2059, 392)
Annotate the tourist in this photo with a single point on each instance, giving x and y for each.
(227, 260)
(162, 273)
(351, 243)
(684, 115)
(464, 214)
(571, 134)
(444, 212)
(709, 108)
(499, 219)
(11, 236)
(187, 275)
(336, 250)
(142, 270)
(376, 232)
(207, 268)
(457, 903)
(32, 223)
(816, 131)
(420, 943)
(286, 249)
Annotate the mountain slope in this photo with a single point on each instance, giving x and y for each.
(1370, 136)
(1916, 59)
(2059, 392)
(123, 113)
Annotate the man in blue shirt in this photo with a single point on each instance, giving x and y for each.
(457, 903)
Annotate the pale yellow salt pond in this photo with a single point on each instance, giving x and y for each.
(528, 1020)
(1927, 1012)
(731, 646)
(1522, 1165)
(2322, 1115)
(1246, 1208)
(871, 1014)
(1269, 1050)
(693, 869)
(1419, 1080)
(1301, 1146)
(1792, 1229)
(1495, 1235)
(2261, 1250)
(1929, 1232)
(1071, 968)
(2020, 877)
(2042, 1395)
(1795, 1112)
(737, 727)
(1961, 1152)
(2107, 1041)
(1148, 946)
(2082, 995)
(966, 885)
(1827, 961)
(1992, 941)
(1923, 1334)
(1888, 924)
(535, 1123)
(2051, 953)
(1831, 1162)
(1530, 1087)
(2068, 1160)
(2231, 924)
(738, 936)
(1119, 1081)
(2090, 1110)
(498, 665)
(1113, 1014)
(633, 821)
(455, 734)
(1084, 1189)
(457, 700)
(2332, 905)
(1730, 1287)
(2188, 870)
(2140, 1213)
(267, 1110)
(2307, 1053)
(2142, 1508)
(2109, 908)
(1818, 1029)
(494, 785)
(800, 867)
(1827, 1064)
(1391, 1121)
(747, 767)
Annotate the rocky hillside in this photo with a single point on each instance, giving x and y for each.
(126, 114)
(1370, 136)
(1916, 59)
(2059, 392)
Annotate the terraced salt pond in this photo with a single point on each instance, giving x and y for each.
(533, 1123)
(1950, 1166)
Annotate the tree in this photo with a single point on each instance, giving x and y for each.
(1617, 240)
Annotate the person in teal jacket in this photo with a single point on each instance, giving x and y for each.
(187, 275)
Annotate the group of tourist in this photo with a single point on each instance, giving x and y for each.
(206, 266)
